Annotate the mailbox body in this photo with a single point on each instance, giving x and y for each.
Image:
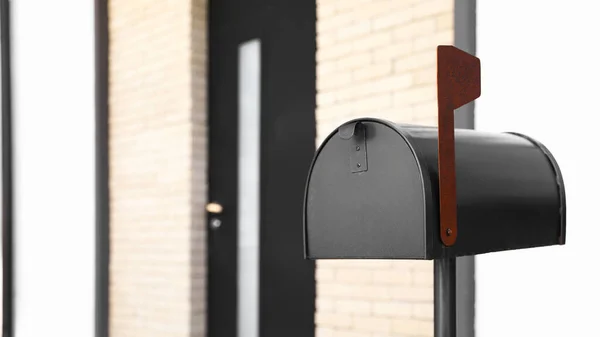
(372, 193)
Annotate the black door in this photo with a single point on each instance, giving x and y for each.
(261, 142)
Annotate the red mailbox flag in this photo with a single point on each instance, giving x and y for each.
(458, 83)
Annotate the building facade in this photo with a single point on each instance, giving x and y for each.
(374, 58)
(141, 200)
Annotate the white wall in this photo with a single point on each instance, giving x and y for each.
(540, 70)
(53, 83)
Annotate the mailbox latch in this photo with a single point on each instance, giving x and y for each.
(355, 134)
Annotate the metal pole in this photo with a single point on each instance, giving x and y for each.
(444, 273)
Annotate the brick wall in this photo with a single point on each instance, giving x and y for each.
(157, 164)
(377, 58)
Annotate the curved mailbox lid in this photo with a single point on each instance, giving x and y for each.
(374, 211)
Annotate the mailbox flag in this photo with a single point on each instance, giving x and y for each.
(459, 76)
(458, 83)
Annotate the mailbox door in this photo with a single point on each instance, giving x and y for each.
(366, 196)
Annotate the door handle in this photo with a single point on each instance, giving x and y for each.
(214, 209)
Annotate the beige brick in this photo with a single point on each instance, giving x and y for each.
(349, 5)
(335, 263)
(324, 332)
(349, 291)
(336, 113)
(326, 40)
(333, 81)
(372, 292)
(355, 60)
(428, 8)
(417, 61)
(426, 111)
(348, 108)
(343, 94)
(416, 264)
(392, 308)
(326, 68)
(157, 99)
(372, 103)
(326, 98)
(383, 85)
(431, 42)
(350, 333)
(340, 49)
(356, 29)
(372, 71)
(395, 18)
(371, 324)
(396, 115)
(330, 290)
(353, 307)
(335, 22)
(411, 294)
(392, 51)
(391, 276)
(444, 21)
(410, 327)
(367, 264)
(394, 83)
(423, 27)
(325, 304)
(372, 41)
(377, 8)
(426, 121)
(334, 320)
(422, 278)
(423, 311)
(341, 112)
(353, 276)
(415, 96)
(325, 10)
(425, 76)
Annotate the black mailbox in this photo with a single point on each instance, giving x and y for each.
(379, 190)
(373, 190)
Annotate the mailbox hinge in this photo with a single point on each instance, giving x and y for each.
(356, 135)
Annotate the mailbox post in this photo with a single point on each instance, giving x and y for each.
(444, 297)
(379, 190)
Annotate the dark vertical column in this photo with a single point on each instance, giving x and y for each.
(444, 275)
(465, 39)
(102, 192)
(7, 174)
(287, 286)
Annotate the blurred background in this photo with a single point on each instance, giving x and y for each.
(154, 156)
